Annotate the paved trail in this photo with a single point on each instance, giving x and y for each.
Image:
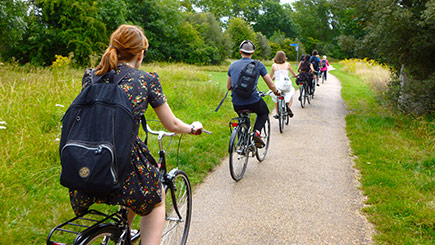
(305, 192)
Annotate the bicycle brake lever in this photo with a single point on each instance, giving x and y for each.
(205, 131)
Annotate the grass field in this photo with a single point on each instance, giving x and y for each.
(396, 157)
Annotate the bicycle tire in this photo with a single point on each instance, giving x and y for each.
(323, 76)
(104, 234)
(287, 116)
(260, 153)
(302, 96)
(176, 229)
(239, 153)
(316, 81)
(307, 94)
(281, 115)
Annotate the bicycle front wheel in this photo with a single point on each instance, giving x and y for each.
(178, 204)
(302, 96)
(261, 153)
(105, 234)
(281, 111)
(239, 153)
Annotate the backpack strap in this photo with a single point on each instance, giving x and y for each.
(222, 101)
(112, 75)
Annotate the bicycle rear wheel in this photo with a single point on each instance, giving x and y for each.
(302, 95)
(105, 234)
(239, 152)
(286, 116)
(315, 82)
(179, 198)
(307, 94)
(261, 153)
(281, 111)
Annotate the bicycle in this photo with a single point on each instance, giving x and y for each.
(114, 228)
(304, 94)
(242, 142)
(283, 115)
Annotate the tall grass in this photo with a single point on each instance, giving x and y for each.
(396, 156)
(375, 74)
(32, 102)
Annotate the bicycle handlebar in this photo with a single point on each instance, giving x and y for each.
(262, 94)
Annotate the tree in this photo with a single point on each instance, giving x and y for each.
(315, 21)
(12, 22)
(217, 42)
(400, 33)
(275, 17)
(239, 30)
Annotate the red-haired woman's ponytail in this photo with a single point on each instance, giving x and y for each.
(125, 44)
(108, 62)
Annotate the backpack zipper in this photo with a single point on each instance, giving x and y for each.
(97, 150)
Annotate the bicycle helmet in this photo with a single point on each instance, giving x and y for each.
(247, 46)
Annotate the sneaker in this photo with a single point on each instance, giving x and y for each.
(276, 116)
(299, 98)
(318, 84)
(258, 141)
(290, 112)
(133, 232)
(240, 151)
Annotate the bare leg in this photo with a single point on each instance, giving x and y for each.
(130, 216)
(152, 225)
(289, 104)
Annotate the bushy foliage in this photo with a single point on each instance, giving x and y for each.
(239, 30)
(60, 27)
(281, 43)
(264, 51)
(12, 22)
(216, 43)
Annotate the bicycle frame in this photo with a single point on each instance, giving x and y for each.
(243, 119)
(166, 177)
(120, 217)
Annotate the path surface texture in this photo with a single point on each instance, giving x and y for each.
(304, 192)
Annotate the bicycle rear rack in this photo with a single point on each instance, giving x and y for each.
(79, 225)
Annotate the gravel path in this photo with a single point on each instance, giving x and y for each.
(304, 192)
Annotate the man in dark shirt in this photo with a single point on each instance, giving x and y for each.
(316, 64)
(254, 103)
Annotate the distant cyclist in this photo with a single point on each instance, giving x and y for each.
(280, 74)
(306, 70)
(324, 67)
(254, 102)
(315, 61)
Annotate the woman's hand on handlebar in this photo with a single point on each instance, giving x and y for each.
(277, 92)
(196, 128)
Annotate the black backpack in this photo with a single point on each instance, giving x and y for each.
(98, 132)
(245, 85)
(323, 65)
(315, 62)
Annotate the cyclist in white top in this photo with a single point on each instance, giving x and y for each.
(280, 74)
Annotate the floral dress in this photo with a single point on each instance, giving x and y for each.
(142, 187)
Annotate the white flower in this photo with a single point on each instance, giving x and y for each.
(59, 105)
(2, 127)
